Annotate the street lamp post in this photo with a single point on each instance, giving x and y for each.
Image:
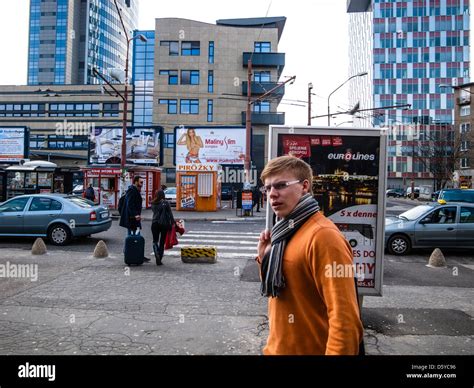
(340, 86)
(310, 88)
(123, 158)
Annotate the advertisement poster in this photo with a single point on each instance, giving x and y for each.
(203, 145)
(12, 144)
(348, 183)
(247, 200)
(107, 198)
(188, 192)
(143, 145)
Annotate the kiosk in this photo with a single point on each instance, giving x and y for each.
(106, 183)
(198, 187)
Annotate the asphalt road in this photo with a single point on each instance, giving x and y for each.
(422, 310)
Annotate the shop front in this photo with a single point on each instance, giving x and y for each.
(198, 187)
(106, 183)
(30, 178)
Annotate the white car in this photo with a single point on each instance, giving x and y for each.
(170, 195)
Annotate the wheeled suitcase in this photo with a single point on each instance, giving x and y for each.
(134, 251)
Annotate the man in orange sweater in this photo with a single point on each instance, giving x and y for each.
(311, 311)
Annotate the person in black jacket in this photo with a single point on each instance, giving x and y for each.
(161, 224)
(130, 216)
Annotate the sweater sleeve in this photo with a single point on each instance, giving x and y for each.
(331, 265)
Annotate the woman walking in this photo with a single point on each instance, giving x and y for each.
(161, 224)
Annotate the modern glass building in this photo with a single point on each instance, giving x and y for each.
(143, 78)
(415, 47)
(68, 38)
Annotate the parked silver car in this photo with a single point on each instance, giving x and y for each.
(58, 217)
(170, 195)
(431, 226)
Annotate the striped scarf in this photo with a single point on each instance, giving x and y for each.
(273, 280)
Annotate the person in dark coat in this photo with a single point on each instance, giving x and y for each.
(161, 224)
(130, 217)
(90, 194)
(256, 198)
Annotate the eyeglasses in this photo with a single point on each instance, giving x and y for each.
(280, 185)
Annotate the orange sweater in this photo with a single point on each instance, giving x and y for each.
(315, 314)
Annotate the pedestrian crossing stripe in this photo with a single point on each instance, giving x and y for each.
(198, 252)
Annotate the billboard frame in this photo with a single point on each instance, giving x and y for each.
(277, 130)
(26, 142)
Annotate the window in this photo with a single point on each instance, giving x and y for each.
(464, 163)
(262, 76)
(44, 204)
(467, 215)
(173, 47)
(464, 127)
(15, 205)
(111, 109)
(464, 146)
(191, 48)
(189, 107)
(189, 77)
(262, 47)
(210, 81)
(172, 106)
(169, 140)
(211, 52)
(210, 111)
(262, 107)
(465, 111)
(172, 76)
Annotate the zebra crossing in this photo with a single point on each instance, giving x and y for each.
(229, 245)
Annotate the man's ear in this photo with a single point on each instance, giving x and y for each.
(306, 187)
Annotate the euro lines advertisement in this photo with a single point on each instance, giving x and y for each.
(345, 184)
(204, 145)
(12, 144)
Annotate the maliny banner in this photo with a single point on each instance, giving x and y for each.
(204, 145)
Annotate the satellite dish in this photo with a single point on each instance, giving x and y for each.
(117, 75)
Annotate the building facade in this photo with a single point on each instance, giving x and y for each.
(416, 47)
(464, 140)
(196, 75)
(68, 38)
(60, 119)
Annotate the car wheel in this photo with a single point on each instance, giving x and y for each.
(399, 245)
(59, 234)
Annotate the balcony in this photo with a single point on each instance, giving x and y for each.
(272, 118)
(259, 88)
(464, 100)
(265, 60)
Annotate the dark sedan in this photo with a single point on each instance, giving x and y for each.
(55, 216)
(431, 226)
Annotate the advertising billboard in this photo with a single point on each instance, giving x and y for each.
(222, 145)
(143, 144)
(13, 144)
(349, 183)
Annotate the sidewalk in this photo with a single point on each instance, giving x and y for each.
(224, 214)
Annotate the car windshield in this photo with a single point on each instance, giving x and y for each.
(416, 212)
(170, 191)
(81, 202)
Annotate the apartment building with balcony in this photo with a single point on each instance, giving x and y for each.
(464, 139)
(191, 73)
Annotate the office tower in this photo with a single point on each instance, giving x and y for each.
(419, 51)
(68, 38)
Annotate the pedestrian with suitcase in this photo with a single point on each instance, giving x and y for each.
(161, 224)
(130, 218)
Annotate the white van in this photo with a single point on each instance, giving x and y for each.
(425, 192)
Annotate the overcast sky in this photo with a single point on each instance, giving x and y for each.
(314, 40)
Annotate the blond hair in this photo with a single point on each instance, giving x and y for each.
(298, 167)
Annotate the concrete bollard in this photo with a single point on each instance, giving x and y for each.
(101, 251)
(39, 247)
(205, 255)
(437, 259)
